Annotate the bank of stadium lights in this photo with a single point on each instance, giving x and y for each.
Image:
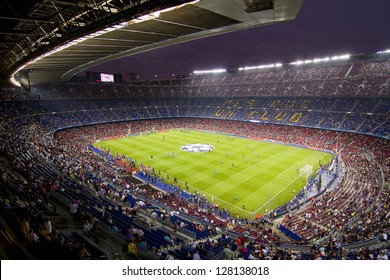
(319, 60)
(384, 52)
(95, 34)
(212, 71)
(298, 62)
(157, 13)
(266, 66)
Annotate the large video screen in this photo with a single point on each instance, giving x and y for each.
(96, 77)
(107, 77)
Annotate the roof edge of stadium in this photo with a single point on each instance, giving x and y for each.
(255, 22)
(119, 20)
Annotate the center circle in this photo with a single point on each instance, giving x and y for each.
(197, 148)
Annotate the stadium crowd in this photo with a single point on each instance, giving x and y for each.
(351, 78)
(364, 114)
(77, 162)
(48, 158)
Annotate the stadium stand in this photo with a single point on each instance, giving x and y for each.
(48, 164)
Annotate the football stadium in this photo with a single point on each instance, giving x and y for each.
(276, 161)
(225, 163)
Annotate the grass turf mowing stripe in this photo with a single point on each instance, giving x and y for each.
(237, 166)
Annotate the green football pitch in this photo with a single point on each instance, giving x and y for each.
(245, 176)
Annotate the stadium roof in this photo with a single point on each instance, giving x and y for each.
(54, 40)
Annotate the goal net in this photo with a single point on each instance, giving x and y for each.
(305, 171)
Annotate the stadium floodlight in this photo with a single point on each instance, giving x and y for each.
(265, 66)
(382, 52)
(156, 14)
(340, 57)
(318, 60)
(212, 71)
(254, 121)
(298, 62)
(146, 17)
(324, 59)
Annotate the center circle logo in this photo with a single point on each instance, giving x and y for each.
(197, 148)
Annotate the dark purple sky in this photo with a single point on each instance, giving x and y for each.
(322, 28)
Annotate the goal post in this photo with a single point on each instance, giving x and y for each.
(305, 171)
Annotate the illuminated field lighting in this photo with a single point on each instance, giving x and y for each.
(213, 71)
(382, 52)
(265, 66)
(319, 60)
(340, 57)
(156, 14)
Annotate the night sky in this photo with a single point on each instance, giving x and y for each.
(322, 28)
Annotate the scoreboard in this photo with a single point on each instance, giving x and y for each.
(97, 77)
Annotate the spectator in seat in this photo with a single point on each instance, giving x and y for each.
(196, 256)
(47, 227)
(87, 227)
(132, 249)
(32, 237)
(25, 227)
(73, 208)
